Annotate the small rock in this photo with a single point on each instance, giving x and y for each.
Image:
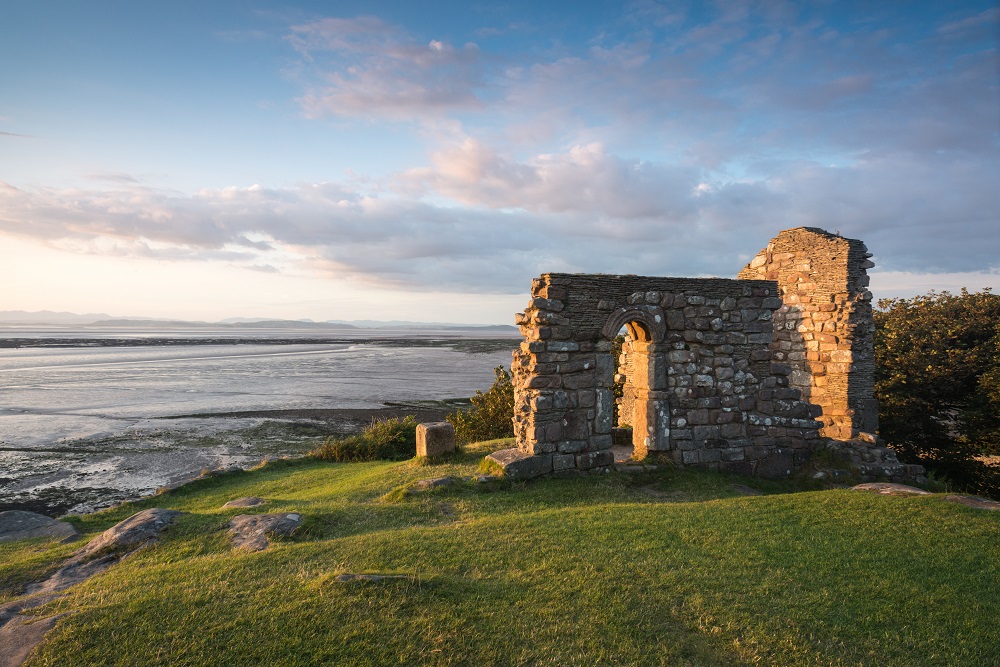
(891, 489)
(134, 531)
(973, 501)
(20, 525)
(345, 578)
(485, 479)
(425, 484)
(250, 531)
(248, 501)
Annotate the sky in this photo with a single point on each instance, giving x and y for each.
(425, 160)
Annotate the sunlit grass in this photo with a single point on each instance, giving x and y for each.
(668, 567)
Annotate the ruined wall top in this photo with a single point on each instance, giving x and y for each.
(581, 306)
(825, 329)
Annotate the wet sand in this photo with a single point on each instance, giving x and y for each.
(141, 462)
(86, 426)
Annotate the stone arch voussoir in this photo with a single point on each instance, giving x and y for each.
(650, 318)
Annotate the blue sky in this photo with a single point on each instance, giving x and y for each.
(425, 160)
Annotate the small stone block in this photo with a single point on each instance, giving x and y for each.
(248, 501)
(519, 465)
(435, 439)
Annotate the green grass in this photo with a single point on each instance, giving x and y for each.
(670, 567)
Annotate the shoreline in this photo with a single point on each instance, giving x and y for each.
(292, 433)
(462, 343)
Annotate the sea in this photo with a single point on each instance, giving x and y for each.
(88, 421)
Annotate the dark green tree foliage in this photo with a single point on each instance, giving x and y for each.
(618, 388)
(938, 383)
(391, 439)
(491, 415)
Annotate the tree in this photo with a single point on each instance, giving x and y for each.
(938, 382)
(491, 415)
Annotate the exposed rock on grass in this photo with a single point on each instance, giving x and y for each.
(250, 531)
(890, 489)
(20, 634)
(249, 501)
(437, 482)
(972, 501)
(349, 578)
(108, 548)
(19, 525)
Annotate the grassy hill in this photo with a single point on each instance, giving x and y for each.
(662, 568)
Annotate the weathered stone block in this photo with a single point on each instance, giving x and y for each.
(435, 439)
(518, 465)
(778, 464)
(563, 462)
(588, 460)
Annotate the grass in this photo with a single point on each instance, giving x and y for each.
(392, 439)
(669, 567)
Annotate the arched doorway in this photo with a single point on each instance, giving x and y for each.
(646, 384)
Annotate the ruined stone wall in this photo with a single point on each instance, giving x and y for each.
(705, 390)
(824, 331)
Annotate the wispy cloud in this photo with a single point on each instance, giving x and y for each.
(717, 87)
(366, 67)
(475, 218)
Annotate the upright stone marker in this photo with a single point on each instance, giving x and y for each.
(435, 439)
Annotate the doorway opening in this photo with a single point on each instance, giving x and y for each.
(641, 420)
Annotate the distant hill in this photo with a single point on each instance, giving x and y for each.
(249, 324)
(51, 318)
(48, 317)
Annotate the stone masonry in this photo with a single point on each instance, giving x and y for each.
(705, 389)
(824, 329)
(749, 376)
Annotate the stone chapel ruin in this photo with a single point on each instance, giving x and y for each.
(750, 375)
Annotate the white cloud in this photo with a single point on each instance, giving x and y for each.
(585, 180)
(664, 144)
(368, 68)
(477, 219)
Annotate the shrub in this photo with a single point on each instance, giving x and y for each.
(938, 383)
(491, 415)
(391, 439)
(618, 388)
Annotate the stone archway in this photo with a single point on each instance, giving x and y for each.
(650, 406)
(707, 391)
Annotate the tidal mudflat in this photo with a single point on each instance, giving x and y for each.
(88, 425)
